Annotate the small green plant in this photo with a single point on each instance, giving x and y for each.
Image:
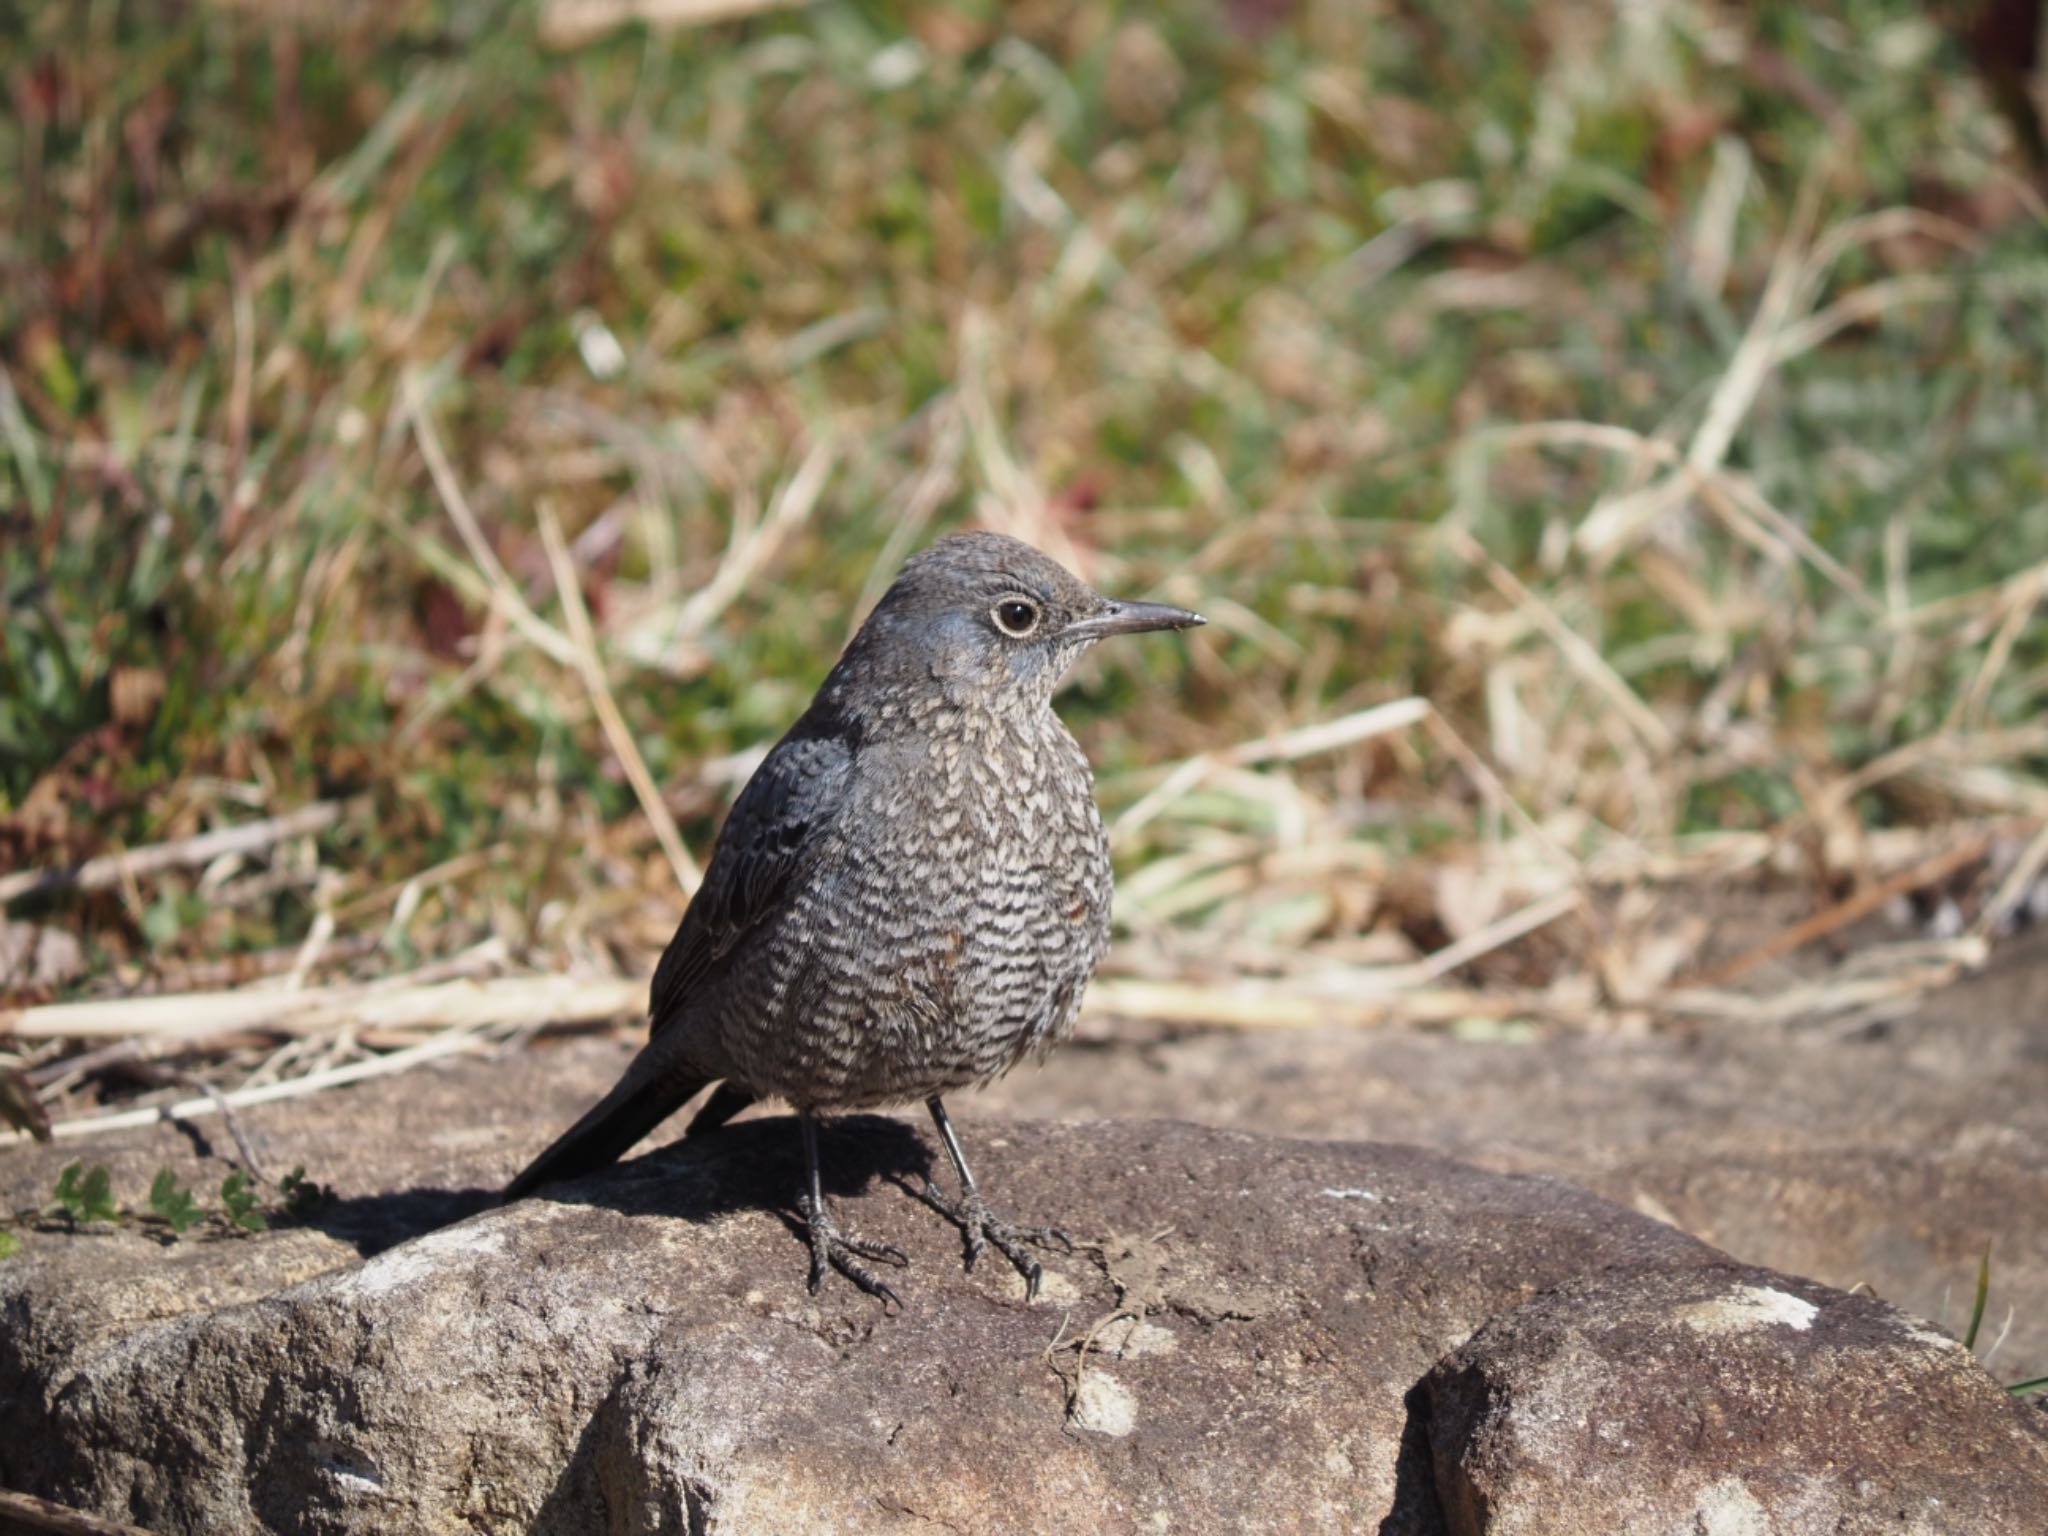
(247, 1203)
(239, 1195)
(174, 1203)
(1977, 1305)
(301, 1194)
(87, 1194)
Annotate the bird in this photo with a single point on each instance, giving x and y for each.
(907, 898)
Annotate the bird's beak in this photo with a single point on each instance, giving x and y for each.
(1131, 619)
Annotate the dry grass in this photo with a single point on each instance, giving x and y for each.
(1606, 446)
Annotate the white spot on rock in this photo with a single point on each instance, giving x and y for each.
(1729, 1509)
(1127, 1338)
(1933, 1338)
(1055, 1289)
(414, 1261)
(1349, 1194)
(1749, 1307)
(1104, 1405)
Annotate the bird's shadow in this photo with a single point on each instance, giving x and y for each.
(756, 1165)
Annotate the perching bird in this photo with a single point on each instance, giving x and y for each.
(909, 895)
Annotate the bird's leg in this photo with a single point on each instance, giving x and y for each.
(978, 1224)
(831, 1246)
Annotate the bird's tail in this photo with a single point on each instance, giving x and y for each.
(604, 1135)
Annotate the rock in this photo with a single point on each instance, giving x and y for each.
(638, 1353)
(642, 1355)
(1882, 1157)
(1726, 1401)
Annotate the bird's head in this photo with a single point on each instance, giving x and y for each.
(985, 621)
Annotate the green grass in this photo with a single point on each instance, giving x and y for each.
(1235, 313)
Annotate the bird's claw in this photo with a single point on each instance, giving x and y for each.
(980, 1227)
(831, 1248)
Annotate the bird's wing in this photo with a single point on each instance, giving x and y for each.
(774, 827)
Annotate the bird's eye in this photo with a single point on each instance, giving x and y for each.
(1016, 617)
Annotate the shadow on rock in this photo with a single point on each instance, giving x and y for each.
(1415, 1510)
(372, 1223)
(757, 1165)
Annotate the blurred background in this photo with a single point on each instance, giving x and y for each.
(442, 446)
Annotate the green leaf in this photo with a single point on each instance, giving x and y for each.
(98, 1193)
(66, 1193)
(54, 371)
(10, 1245)
(241, 1201)
(2017, 1389)
(86, 1194)
(176, 1206)
(301, 1194)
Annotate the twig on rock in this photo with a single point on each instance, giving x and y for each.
(447, 1044)
(221, 1104)
(27, 1511)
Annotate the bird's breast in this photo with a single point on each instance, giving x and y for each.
(989, 826)
(952, 915)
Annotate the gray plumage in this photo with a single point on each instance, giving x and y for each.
(911, 892)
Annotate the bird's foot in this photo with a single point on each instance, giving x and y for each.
(833, 1248)
(980, 1226)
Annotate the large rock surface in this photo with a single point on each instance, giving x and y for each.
(1243, 1348)
(1751, 1402)
(1879, 1157)
(1883, 1156)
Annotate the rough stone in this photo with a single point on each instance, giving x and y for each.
(638, 1353)
(1723, 1400)
(1883, 1156)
